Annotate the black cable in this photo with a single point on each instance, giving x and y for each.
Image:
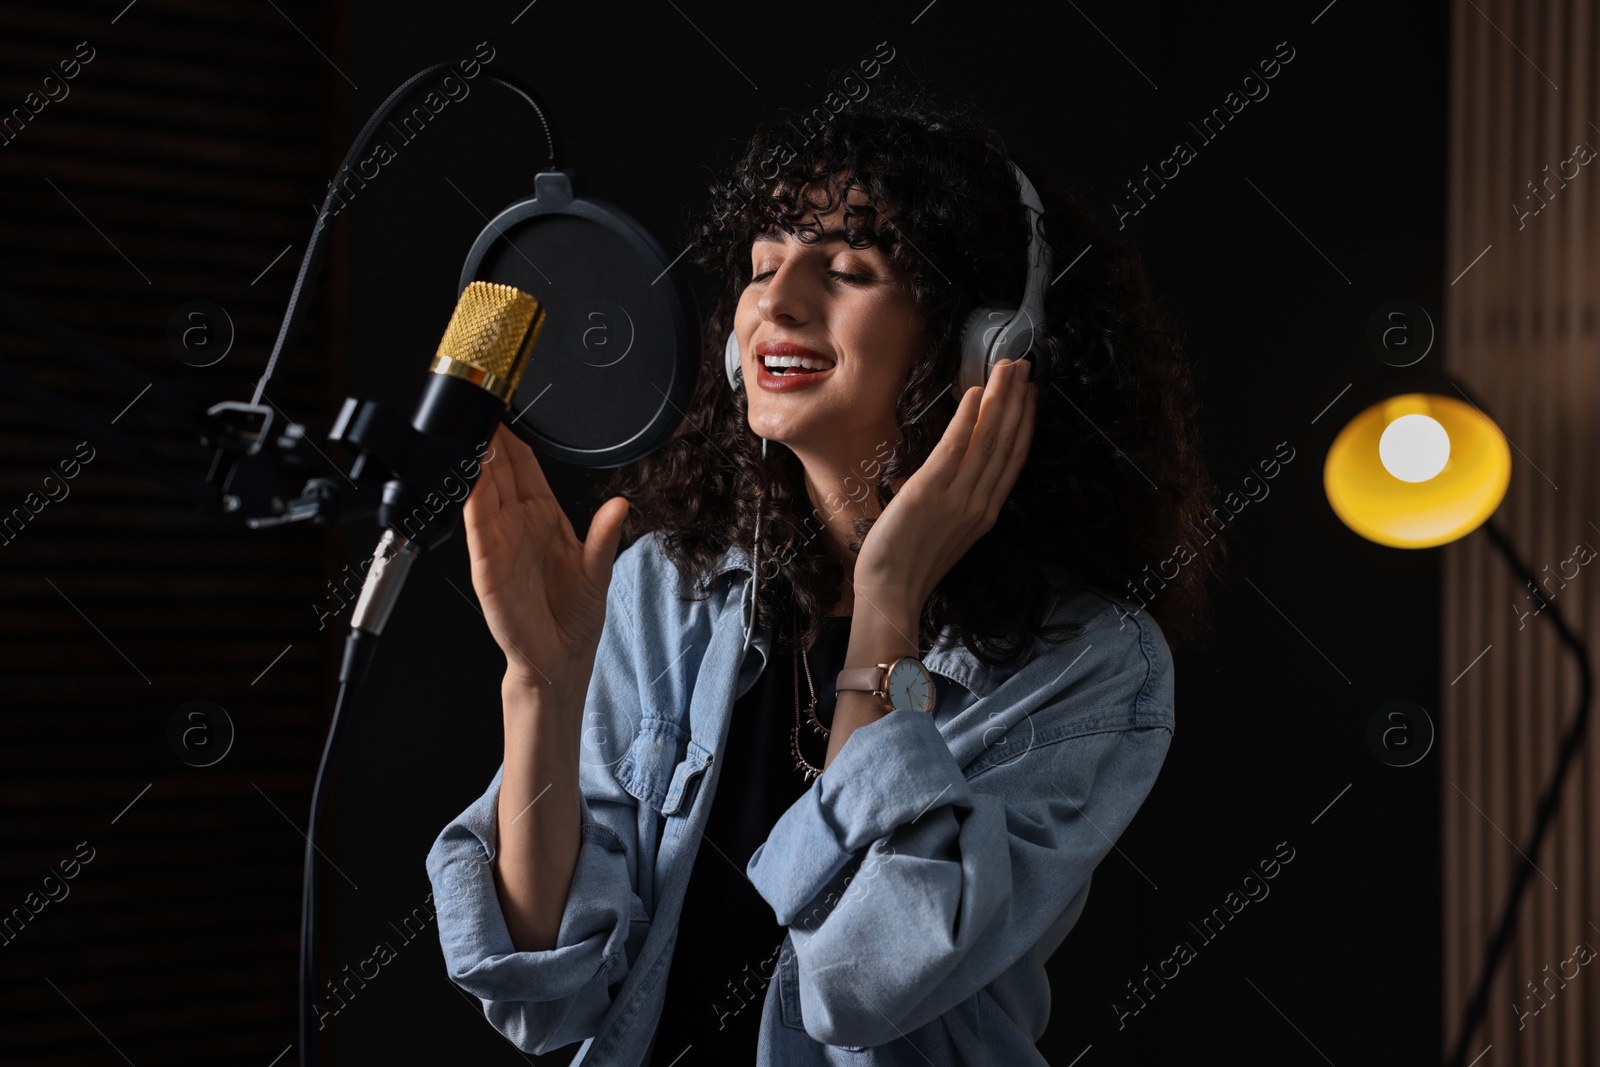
(1547, 805)
(311, 262)
(359, 647)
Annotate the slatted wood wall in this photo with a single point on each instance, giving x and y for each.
(1520, 329)
(180, 163)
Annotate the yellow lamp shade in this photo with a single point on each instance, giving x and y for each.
(1417, 514)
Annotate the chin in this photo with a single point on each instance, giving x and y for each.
(772, 425)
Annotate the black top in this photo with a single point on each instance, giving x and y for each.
(728, 937)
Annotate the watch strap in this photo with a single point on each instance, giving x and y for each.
(866, 679)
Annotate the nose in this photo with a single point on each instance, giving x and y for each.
(783, 299)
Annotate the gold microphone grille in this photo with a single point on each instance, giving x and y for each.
(490, 336)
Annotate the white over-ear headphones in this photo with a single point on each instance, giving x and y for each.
(992, 332)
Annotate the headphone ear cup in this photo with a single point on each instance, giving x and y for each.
(731, 359)
(978, 336)
(1015, 340)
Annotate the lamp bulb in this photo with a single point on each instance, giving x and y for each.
(1414, 448)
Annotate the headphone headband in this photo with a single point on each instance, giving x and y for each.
(1038, 252)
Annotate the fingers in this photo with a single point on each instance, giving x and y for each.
(1019, 453)
(529, 479)
(478, 515)
(523, 485)
(497, 467)
(946, 458)
(600, 547)
(996, 434)
(1008, 423)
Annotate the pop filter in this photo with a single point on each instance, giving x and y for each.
(616, 362)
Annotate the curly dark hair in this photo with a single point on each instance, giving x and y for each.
(1114, 478)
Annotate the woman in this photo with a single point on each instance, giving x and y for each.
(669, 859)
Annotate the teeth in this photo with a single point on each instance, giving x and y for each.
(802, 362)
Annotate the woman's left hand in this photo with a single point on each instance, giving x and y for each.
(954, 498)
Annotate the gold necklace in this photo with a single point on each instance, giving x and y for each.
(800, 762)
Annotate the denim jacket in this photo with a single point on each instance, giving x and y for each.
(925, 877)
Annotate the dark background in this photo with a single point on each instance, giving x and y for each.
(1273, 247)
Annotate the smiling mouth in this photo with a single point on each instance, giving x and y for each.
(785, 366)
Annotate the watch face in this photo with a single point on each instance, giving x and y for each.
(909, 685)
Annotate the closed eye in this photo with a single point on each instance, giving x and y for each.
(842, 275)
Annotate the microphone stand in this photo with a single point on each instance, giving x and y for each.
(395, 465)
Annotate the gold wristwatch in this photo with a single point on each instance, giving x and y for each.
(905, 683)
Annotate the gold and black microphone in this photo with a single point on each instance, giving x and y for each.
(474, 375)
(485, 349)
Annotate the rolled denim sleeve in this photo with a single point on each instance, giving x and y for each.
(962, 877)
(538, 1000)
(888, 773)
(543, 1000)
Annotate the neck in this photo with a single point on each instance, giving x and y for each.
(841, 490)
(842, 487)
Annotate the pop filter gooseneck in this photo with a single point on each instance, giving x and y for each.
(311, 262)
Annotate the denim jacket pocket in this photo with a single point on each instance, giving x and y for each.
(662, 766)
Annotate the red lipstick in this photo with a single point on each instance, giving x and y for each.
(792, 378)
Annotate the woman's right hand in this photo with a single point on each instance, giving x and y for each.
(543, 591)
